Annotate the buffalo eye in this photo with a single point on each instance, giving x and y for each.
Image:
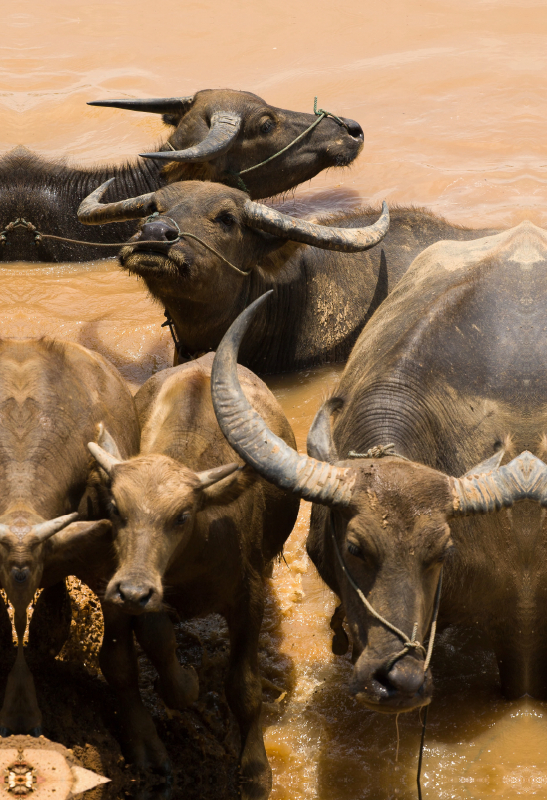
(182, 518)
(354, 550)
(225, 219)
(267, 126)
(115, 512)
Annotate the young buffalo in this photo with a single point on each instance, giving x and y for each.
(187, 516)
(53, 398)
(216, 135)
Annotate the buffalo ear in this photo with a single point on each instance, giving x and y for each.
(487, 465)
(230, 488)
(171, 119)
(320, 444)
(105, 440)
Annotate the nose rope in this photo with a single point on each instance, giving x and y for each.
(38, 236)
(408, 644)
(181, 234)
(320, 113)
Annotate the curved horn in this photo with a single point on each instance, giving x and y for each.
(93, 212)
(102, 457)
(210, 476)
(347, 240)
(525, 477)
(46, 529)
(249, 435)
(222, 134)
(158, 105)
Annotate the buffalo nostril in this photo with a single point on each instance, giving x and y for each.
(406, 676)
(134, 595)
(354, 129)
(158, 231)
(145, 598)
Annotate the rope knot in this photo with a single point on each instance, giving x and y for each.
(378, 451)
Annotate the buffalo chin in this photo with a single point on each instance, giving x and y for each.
(150, 262)
(394, 705)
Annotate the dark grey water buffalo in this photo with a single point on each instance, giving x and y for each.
(188, 516)
(215, 135)
(450, 370)
(322, 298)
(54, 397)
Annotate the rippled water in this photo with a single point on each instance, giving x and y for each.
(451, 98)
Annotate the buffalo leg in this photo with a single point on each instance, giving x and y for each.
(178, 685)
(244, 689)
(119, 665)
(20, 713)
(50, 623)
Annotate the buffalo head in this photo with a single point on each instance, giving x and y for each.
(233, 228)
(220, 132)
(154, 501)
(380, 532)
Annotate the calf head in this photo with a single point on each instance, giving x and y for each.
(23, 538)
(153, 505)
(384, 536)
(220, 132)
(232, 228)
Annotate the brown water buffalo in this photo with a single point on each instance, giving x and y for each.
(322, 298)
(436, 381)
(54, 397)
(215, 135)
(187, 516)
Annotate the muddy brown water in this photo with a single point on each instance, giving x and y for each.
(451, 98)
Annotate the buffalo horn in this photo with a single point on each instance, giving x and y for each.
(348, 240)
(43, 530)
(160, 105)
(249, 435)
(93, 212)
(102, 457)
(222, 134)
(524, 477)
(210, 476)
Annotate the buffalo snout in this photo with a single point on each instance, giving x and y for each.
(134, 597)
(20, 574)
(400, 687)
(159, 230)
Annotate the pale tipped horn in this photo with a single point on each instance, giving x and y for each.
(210, 476)
(222, 134)
(102, 457)
(157, 105)
(249, 435)
(43, 530)
(523, 478)
(347, 240)
(93, 212)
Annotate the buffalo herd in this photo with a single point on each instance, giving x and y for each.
(424, 466)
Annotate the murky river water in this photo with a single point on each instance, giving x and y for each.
(451, 98)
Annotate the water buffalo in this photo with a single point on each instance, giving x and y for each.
(322, 299)
(54, 398)
(436, 381)
(215, 135)
(185, 514)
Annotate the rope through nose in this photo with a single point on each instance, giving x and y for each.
(408, 644)
(181, 234)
